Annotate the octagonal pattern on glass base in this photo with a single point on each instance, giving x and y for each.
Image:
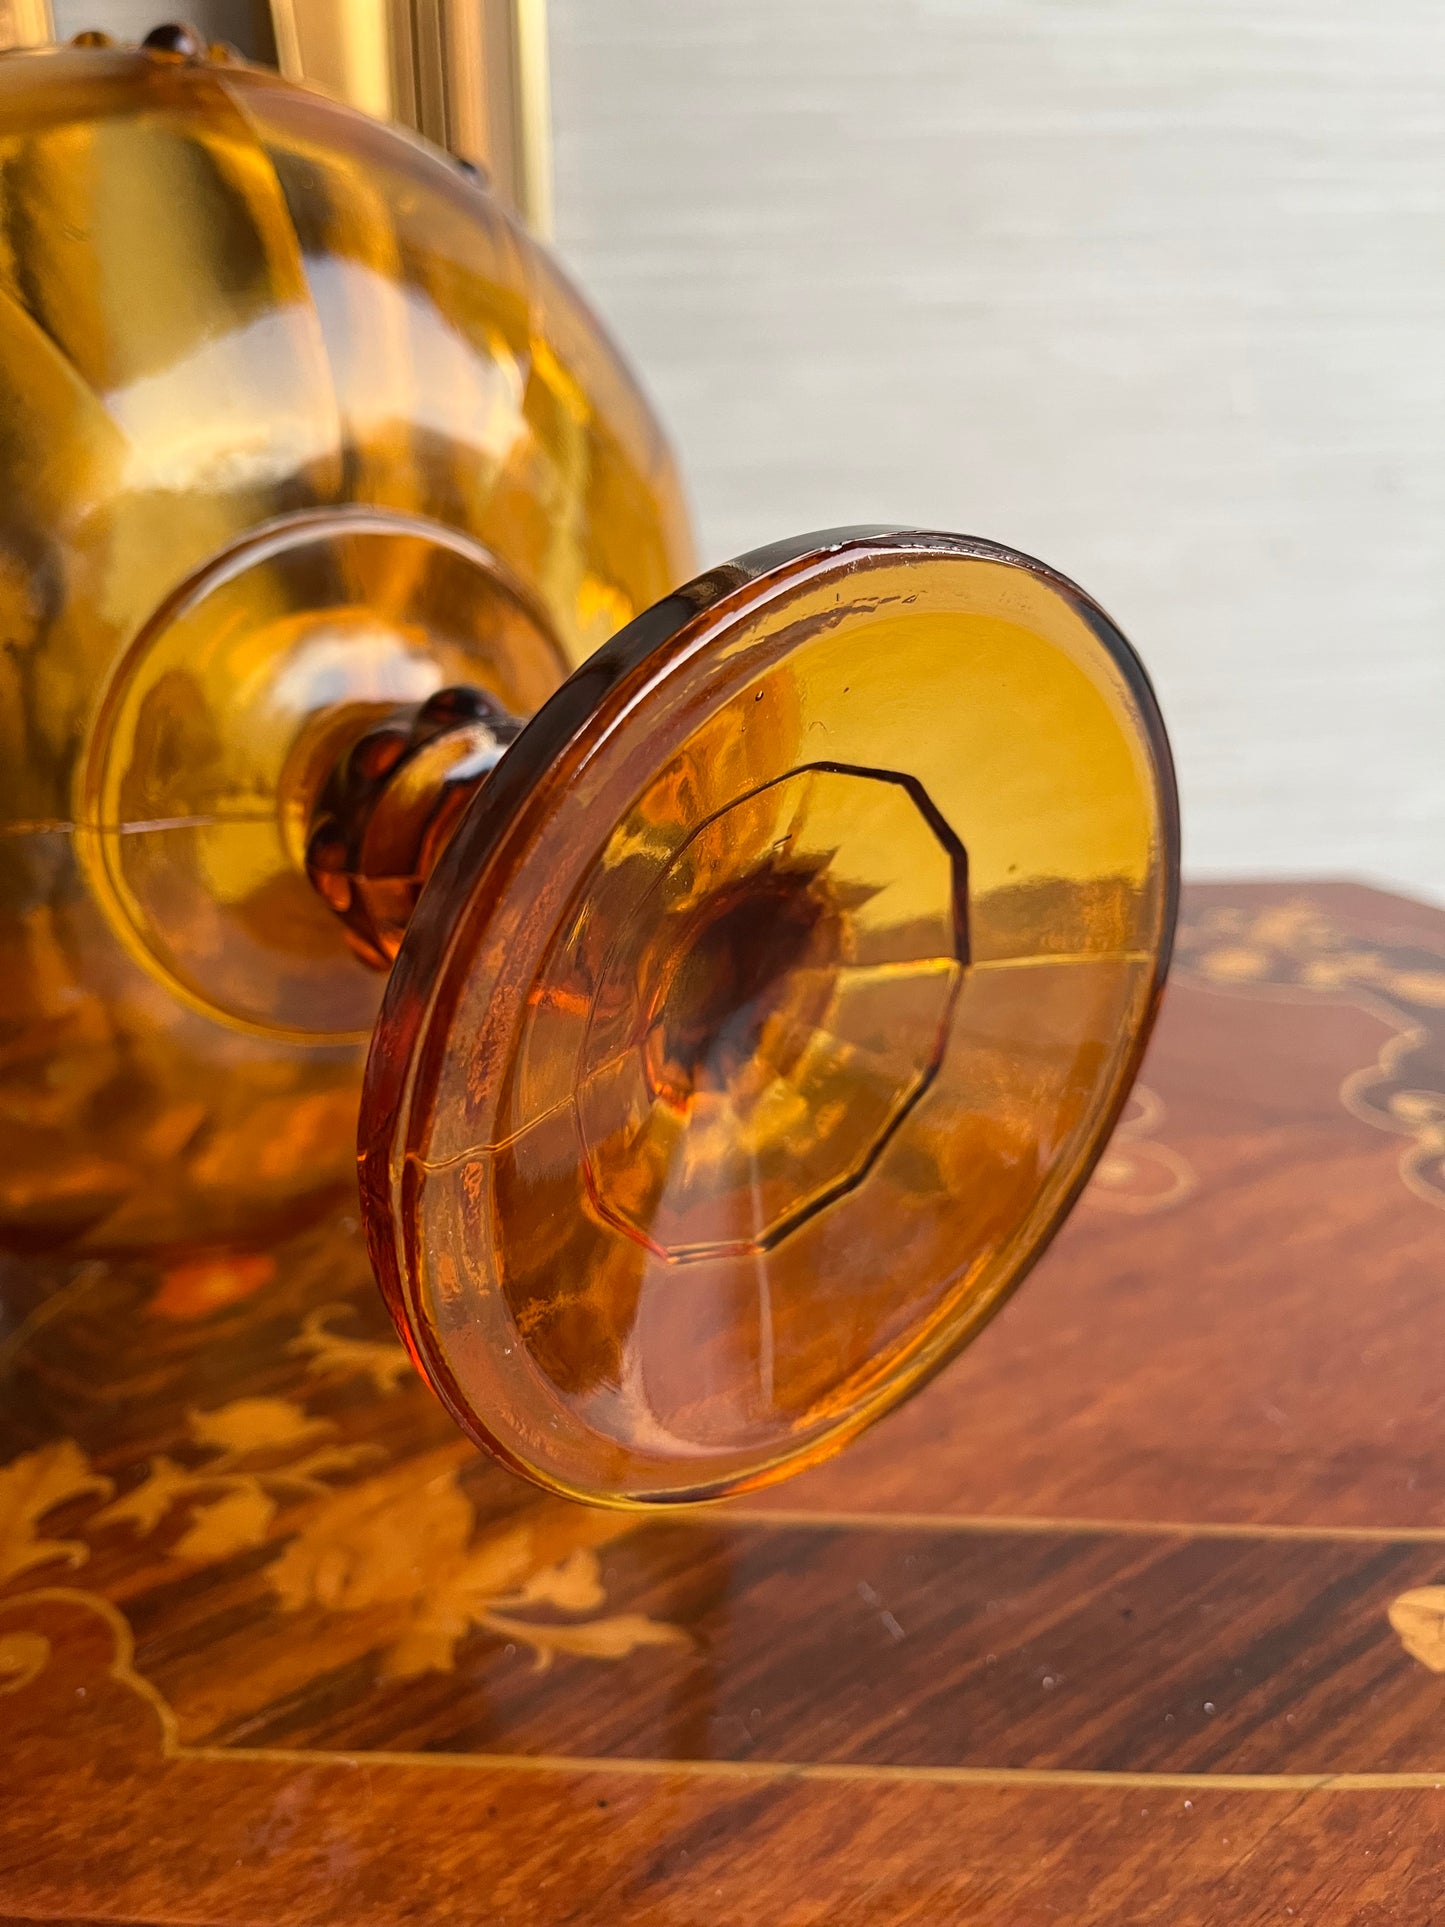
(766, 1019)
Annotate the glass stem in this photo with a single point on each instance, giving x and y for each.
(385, 812)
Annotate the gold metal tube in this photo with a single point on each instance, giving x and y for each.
(469, 74)
(25, 23)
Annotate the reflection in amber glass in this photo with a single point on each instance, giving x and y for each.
(735, 1071)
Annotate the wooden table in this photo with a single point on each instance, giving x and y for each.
(1137, 1615)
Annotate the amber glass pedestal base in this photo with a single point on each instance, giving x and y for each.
(767, 1010)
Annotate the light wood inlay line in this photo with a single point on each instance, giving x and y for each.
(838, 1770)
(981, 1523)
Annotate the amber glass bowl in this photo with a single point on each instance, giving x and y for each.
(295, 426)
(769, 958)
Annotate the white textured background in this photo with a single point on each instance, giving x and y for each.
(1153, 288)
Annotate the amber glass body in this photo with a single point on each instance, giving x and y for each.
(295, 425)
(747, 974)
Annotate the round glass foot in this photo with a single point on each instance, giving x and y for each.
(768, 1010)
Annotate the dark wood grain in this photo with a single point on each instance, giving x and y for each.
(1099, 1629)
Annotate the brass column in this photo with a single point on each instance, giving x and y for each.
(469, 74)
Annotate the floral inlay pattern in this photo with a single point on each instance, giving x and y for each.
(330, 1354)
(1295, 946)
(409, 1542)
(30, 1487)
(400, 1543)
(1138, 1173)
(258, 1452)
(1418, 1616)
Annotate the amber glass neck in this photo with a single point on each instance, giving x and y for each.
(387, 808)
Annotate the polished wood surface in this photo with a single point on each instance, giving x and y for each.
(1137, 1614)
